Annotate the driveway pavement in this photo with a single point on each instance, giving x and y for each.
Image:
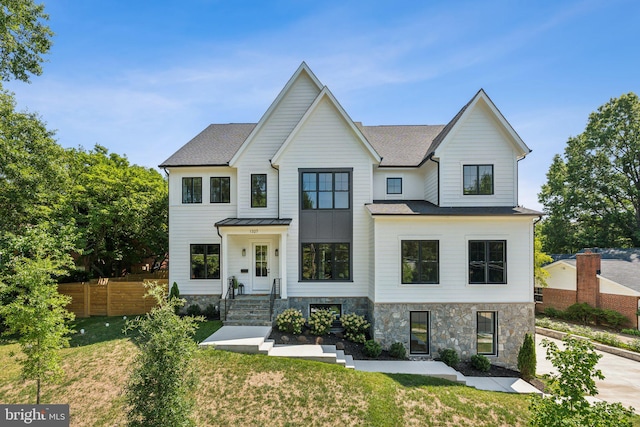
(622, 376)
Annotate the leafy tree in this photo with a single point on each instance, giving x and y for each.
(120, 210)
(592, 194)
(566, 405)
(33, 179)
(24, 38)
(32, 308)
(540, 259)
(160, 388)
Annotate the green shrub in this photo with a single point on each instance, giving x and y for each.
(320, 322)
(634, 346)
(372, 349)
(612, 318)
(581, 312)
(480, 362)
(397, 351)
(355, 327)
(553, 312)
(174, 293)
(527, 358)
(450, 357)
(290, 321)
(211, 312)
(631, 332)
(194, 310)
(607, 338)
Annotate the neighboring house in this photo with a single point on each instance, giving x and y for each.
(416, 227)
(603, 278)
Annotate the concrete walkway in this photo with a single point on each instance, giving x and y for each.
(622, 376)
(254, 339)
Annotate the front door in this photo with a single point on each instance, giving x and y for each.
(260, 270)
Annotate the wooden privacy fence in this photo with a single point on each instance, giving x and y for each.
(107, 298)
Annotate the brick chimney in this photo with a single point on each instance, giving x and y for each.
(587, 284)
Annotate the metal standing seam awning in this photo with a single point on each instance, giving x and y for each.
(253, 222)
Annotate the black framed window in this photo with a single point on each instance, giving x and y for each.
(487, 337)
(537, 294)
(205, 261)
(419, 332)
(325, 190)
(487, 261)
(325, 261)
(192, 190)
(420, 261)
(478, 179)
(220, 189)
(394, 185)
(258, 190)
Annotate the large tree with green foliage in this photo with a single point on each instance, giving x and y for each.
(592, 194)
(24, 38)
(120, 210)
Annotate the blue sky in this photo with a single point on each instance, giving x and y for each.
(144, 77)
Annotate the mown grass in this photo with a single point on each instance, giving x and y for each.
(237, 389)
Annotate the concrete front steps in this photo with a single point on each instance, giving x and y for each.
(248, 310)
(255, 340)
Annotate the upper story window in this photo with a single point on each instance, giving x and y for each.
(420, 261)
(394, 185)
(478, 179)
(220, 189)
(258, 190)
(487, 261)
(192, 190)
(325, 190)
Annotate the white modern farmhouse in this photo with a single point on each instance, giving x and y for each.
(416, 227)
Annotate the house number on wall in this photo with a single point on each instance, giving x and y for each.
(254, 231)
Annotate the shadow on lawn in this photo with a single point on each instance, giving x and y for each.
(99, 329)
(412, 380)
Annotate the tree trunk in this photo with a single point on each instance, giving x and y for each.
(38, 392)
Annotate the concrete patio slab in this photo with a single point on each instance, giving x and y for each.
(426, 367)
(246, 339)
(503, 384)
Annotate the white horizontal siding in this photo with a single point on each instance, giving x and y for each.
(256, 158)
(431, 182)
(561, 276)
(325, 141)
(412, 184)
(175, 186)
(453, 234)
(478, 140)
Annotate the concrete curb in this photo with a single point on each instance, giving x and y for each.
(632, 355)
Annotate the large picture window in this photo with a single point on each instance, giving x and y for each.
(325, 261)
(205, 261)
(478, 179)
(325, 190)
(192, 190)
(220, 189)
(487, 332)
(258, 190)
(487, 261)
(419, 330)
(420, 261)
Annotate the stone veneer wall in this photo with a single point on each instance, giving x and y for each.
(358, 305)
(201, 300)
(453, 325)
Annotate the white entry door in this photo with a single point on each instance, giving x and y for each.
(260, 270)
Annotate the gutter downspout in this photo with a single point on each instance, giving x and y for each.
(277, 184)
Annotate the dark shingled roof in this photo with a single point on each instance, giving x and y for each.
(626, 273)
(421, 207)
(214, 146)
(243, 222)
(401, 145)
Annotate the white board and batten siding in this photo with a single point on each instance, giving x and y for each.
(255, 159)
(478, 140)
(453, 234)
(412, 183)
(326, 141)
(193, 223)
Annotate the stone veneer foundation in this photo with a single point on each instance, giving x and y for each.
(453, 325)
(201, 300)
(358, 305)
